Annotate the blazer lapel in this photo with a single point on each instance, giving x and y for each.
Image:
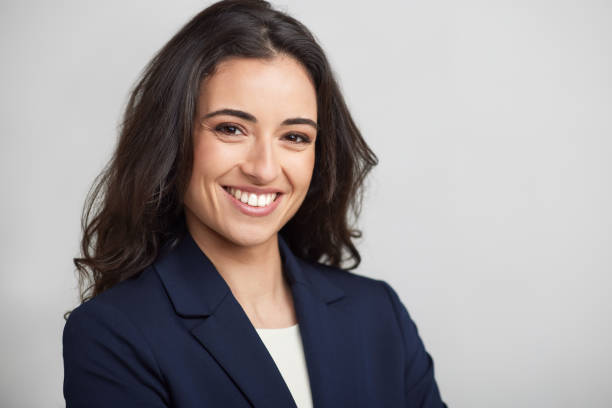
(334, 354)
(230, 337)
(196, 289)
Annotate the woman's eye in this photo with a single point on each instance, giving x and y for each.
(297, 138)
(228, 130)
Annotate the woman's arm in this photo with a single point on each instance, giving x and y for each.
(107, 362)
(421, 387)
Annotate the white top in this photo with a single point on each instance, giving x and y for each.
(285, 347)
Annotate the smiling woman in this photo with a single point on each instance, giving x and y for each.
(252, 155)
(213, 243)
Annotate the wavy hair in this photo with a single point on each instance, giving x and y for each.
(135, 206)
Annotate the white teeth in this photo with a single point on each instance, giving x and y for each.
(261, 200)
(254, 200)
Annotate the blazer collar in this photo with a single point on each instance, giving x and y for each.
(196, 288)
(221, 326)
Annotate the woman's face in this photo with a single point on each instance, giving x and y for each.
(253, 149)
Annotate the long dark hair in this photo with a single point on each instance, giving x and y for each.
(136, 204)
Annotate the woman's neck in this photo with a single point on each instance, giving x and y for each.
(254, 275)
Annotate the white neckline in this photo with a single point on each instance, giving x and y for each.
(277, 329)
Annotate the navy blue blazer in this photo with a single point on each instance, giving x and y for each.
(175, 336)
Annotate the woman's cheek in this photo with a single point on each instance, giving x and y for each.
(305, 163)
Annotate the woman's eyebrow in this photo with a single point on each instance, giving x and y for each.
(247, 116)
(232, 112)
(300, 121)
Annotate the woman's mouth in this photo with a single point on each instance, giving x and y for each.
(252, 199)
(251, 203)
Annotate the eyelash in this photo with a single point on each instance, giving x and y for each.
(221, 128)
(225, 126)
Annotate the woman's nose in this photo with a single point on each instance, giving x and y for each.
(261, 164)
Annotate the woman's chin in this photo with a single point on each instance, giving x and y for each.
(249, 238)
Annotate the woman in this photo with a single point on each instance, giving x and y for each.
(236, 169)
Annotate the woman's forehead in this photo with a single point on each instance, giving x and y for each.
(278, 86)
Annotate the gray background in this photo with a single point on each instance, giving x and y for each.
(489, 212)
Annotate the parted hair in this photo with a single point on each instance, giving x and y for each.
(135, 206)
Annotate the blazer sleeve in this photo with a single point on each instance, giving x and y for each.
(421, 388)
(107, 362)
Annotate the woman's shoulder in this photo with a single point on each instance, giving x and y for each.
(136, 299)
(355, 285)
(105, 343)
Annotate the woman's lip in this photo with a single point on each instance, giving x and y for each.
(255, 190)
(253, 211)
